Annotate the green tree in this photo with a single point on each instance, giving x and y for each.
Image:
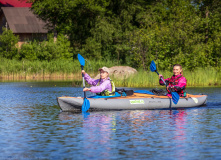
(135, 32)
(211, 11)
(8, 41)
(74, 18)
(172, 32)
(93, 26)
(47, 50)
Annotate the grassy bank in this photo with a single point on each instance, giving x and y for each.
(53, 70)
(199, 77)
(14, 70)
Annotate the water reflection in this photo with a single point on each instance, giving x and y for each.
(101, 130)
(97, 130)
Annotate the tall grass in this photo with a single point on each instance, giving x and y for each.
(71, 70)
(203, 77)
(199, 77)
(64, 69)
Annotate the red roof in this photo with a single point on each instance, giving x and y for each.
(14, 3)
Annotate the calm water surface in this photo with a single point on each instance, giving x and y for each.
(32, 127)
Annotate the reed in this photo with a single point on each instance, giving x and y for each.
(57, 69)
(203, 77)
(70, 70)
(199, 77)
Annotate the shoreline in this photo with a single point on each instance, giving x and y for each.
(136, 81)
(39, 77)
(69, 70)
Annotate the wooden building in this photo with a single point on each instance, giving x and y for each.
(21, 21)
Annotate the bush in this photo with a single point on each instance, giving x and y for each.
(8, 43)
(46, 50)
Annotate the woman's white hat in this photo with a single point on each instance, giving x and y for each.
(104, 69)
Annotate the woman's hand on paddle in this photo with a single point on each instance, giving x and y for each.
(160, 75)
(83, 71)
(170, 87)
(86, 89)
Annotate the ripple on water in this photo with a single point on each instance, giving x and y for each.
(32, 127)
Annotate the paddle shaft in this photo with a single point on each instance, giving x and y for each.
(161, 78)
(82, 68)
(164, 82)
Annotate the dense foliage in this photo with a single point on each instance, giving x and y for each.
(8, 41)
(46, 50)
(131, 32)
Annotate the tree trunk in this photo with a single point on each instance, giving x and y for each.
(207, 25)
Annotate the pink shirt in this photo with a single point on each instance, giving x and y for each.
(104, 84)
(181, 82)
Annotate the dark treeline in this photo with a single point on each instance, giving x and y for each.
(131, 32)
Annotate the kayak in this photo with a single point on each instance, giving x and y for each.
(137, 101)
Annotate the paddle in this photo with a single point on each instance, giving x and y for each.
(86, 103)
(175, 95)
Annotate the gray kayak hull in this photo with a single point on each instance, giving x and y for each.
(137, 102)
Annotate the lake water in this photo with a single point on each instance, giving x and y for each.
(32, 127)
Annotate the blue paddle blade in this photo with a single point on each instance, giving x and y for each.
(86, 105)
(175, 97)
(153, 66)
(81, 60)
